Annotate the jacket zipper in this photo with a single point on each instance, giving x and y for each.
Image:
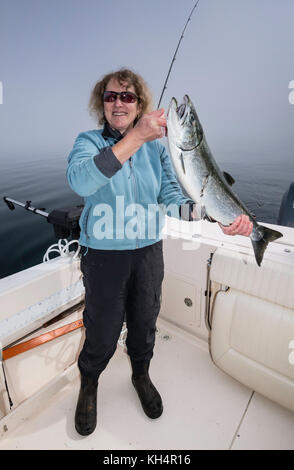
(135, 189)
(86, 224)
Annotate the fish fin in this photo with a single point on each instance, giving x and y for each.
(205, 216)
(259, 246)
(202, 212)
(209, 219)
(229, 179)
(182, 162)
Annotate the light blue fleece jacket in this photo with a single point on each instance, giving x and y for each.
(125, 205)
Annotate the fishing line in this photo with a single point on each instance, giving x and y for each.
(174, 56)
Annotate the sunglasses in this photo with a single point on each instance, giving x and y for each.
(124, 96)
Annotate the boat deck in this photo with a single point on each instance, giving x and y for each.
(203, 408)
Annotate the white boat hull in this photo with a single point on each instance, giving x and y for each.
(249, 343)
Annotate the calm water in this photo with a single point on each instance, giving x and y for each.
(25, 237)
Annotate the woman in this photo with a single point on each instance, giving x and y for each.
(125, 175)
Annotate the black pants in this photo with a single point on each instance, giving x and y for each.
(118, 285)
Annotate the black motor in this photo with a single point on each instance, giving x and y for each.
(65, 221)
(286, 214)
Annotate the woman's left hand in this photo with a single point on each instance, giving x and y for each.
(241, 226)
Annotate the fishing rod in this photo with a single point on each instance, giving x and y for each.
(174, 56)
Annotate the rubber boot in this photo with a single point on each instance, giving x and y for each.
(86, 411)
(149, 396)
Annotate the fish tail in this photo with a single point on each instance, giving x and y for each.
(266, 235)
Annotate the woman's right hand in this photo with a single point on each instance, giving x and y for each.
(151, 126)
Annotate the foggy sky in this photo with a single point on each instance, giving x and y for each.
(235, 62)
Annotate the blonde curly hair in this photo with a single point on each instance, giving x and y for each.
(122, 76)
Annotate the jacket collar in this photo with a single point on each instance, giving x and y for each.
(112, 133)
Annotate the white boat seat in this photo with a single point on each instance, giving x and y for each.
(252, 337)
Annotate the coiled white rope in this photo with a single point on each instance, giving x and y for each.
(62, 248)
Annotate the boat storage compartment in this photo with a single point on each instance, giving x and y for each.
(252, 336)
(34, 296)
(29, 299)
